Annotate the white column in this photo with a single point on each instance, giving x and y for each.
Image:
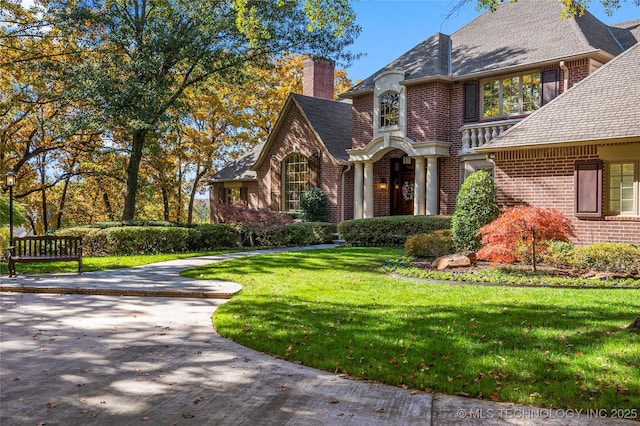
(432, 185)
(357, 190)
(419, 190)
(368, 189)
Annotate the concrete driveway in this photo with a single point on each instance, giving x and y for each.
(76, 359)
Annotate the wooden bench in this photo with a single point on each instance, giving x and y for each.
(45, 249)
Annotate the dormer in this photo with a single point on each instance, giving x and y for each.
(389, 104)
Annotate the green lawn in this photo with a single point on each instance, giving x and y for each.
(336, 310)
(101, 263)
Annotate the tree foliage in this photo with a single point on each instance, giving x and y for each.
(476, 206)
(520, 232)
(314, 204)
(570, 8)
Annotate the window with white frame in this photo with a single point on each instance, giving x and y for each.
(514, 95)
(296, 180)
(623, 188)
(389, 109)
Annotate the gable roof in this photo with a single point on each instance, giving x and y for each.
(241, 168)
(330, 121)
(516, 34)
(602, 107)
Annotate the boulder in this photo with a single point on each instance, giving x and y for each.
(458, 260)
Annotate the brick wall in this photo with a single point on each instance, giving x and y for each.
(545, 178)
(296, 135)
(428, 112)
(362, 116)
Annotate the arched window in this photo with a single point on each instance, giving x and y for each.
(389, 109)
(296, 180)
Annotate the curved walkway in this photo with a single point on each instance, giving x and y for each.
(71, 359)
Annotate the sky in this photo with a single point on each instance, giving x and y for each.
(392, 27)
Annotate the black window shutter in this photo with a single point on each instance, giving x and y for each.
(471, 101)
(222, 196)
(550, 85)
(244, 197)
(588, 188)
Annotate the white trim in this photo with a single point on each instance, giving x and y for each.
(377, 148)
(384, 83)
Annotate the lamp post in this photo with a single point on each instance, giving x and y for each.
(10, 181)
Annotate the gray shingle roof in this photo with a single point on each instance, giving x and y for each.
(520, 33)
(602, 106)
(332, 122)
(241, 168)
(627, 33)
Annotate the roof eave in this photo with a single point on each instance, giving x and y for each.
(486, 149)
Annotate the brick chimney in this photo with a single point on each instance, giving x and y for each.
(317, 77)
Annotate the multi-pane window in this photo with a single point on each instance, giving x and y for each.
(511, 96)
(296, 180)
(624, 192)
(232, 195)
(389, 109)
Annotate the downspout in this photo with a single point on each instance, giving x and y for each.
(344, 172)
(565, 72)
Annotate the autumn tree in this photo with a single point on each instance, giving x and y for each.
(522, 227)
(142, 55)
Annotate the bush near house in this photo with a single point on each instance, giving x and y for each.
(313, 203)
(308, 233)
(618, 257)
(429, 246)
(390, 231)
(476, 206)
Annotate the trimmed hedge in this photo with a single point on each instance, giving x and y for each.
(309, 233)
(94, 240)
(214, 236)
(126, 240)
(429, 246)
(389, 231)
(135, 222)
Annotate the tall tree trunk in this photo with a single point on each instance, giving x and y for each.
(43, 191)
(133, 169)
(107, 206)
(196, 181)
(165, 202)
(63, 199)
(179, 204)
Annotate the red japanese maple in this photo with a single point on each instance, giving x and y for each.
(519, 226)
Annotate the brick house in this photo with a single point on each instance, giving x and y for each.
(580, 154)
(418, 126)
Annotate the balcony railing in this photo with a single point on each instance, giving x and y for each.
(479, 134)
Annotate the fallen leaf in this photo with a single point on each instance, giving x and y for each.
(187, 416)
(51, 405)
(333, 401)
(379, 410)
(198, 399)
(15, 379)
(281, 388)
(145, 418)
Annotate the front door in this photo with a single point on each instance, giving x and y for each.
(402, 186)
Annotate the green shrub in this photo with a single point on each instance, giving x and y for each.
(560, 253)
(148, 239)
(476, 206)
(215, 236)
(313, 203)
(94, 241)
(135, 222)
(389, 231)
(4, 241)
(309, 233)
(429, 246)
(610, 256)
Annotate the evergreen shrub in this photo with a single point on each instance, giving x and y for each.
(389, 231)
(476, 206)
(309, 233)
(94, 241)
(148, 239)
(313, 203)
(429, 246)
(214, 236)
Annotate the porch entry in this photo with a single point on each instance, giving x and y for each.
(402, 186)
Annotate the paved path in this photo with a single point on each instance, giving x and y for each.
(92, 359)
